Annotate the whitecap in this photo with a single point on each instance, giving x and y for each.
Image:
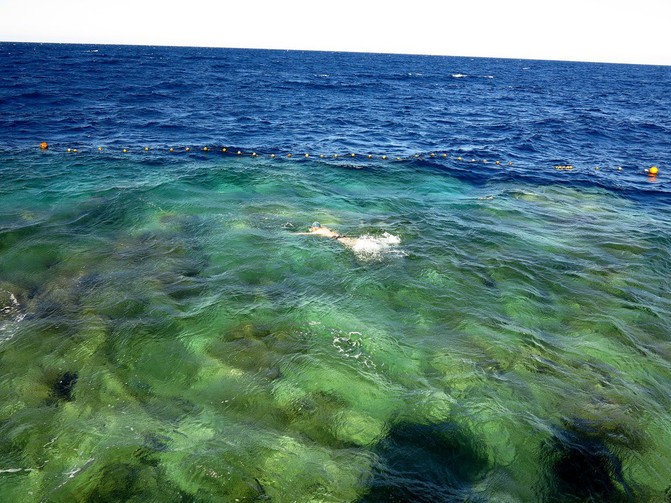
(458, 75)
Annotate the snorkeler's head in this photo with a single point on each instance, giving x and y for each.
(315, 225)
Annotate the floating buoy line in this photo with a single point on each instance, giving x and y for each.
(230, 151)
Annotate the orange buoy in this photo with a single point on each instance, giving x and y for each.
(653, 171)
(44, 145)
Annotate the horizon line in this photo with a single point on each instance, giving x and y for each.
(349, 51)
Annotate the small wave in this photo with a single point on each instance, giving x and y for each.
(462, 75)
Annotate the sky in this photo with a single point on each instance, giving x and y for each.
(613, 31)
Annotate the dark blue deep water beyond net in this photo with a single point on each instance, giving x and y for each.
(539, 113)
(487, 327)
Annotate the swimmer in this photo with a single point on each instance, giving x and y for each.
(365, 247)
(319, 230)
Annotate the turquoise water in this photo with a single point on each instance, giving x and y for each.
(165, 336)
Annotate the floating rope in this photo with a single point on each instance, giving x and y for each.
(652, 171)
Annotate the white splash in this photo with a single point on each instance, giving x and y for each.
(13, 316)
(458, 75)
(368, 246)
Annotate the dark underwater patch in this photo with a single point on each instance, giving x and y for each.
(583, 468)
(62, 388)
(153, 445)
(426, 463)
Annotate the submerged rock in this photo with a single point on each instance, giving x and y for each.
(296, 470)
(273, 373)
(62, 388)
(153, 445)
(427, 463)
(582, 467)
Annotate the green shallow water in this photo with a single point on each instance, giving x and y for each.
(164, 336)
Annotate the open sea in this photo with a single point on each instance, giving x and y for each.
(500, 332)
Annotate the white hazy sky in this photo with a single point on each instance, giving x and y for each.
(632, 31)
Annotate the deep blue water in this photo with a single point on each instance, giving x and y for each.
(490, 329)
(535, 113)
